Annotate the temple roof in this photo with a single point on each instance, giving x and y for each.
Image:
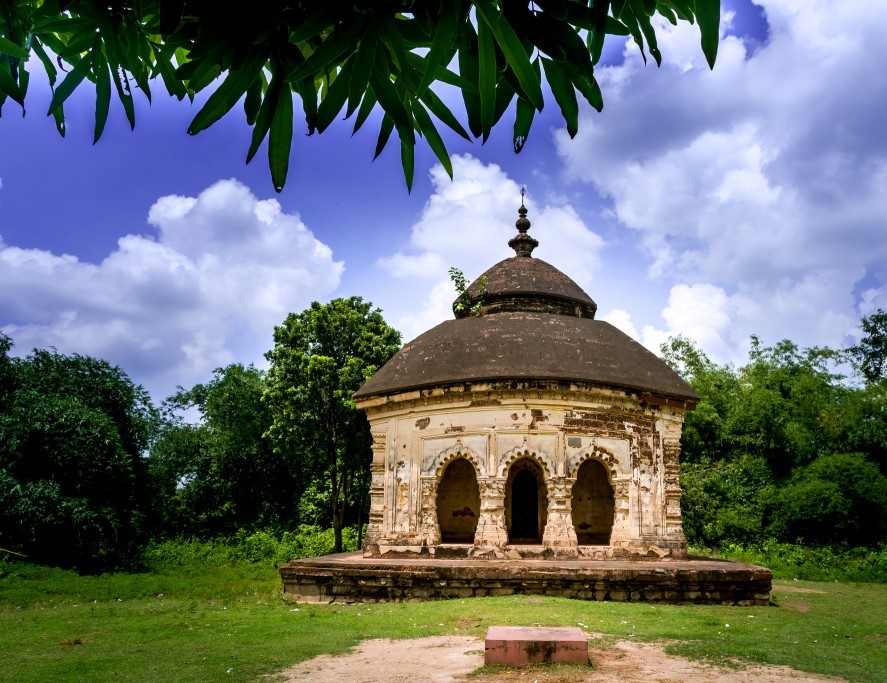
(526, 320)
(526, 346)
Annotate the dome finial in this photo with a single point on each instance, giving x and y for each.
(522, 243)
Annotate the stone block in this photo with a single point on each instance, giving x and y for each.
(523, 645)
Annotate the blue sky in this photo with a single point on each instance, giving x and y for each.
(746, 200)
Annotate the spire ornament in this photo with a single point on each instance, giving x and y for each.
(522, 243)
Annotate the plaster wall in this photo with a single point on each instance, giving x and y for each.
(494, 428)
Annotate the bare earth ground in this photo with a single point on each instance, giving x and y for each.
(448, 659)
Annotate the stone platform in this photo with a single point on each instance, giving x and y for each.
(351, 577)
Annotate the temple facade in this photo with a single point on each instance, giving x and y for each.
(525, 428)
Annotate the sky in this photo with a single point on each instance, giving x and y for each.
(716, 204)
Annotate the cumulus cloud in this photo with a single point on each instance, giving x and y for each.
(207, 288)
(467, 223)
(757, 188)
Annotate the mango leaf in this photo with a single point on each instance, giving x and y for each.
(280, 138)
(486, 78)
(253, 99)
(442, 112)
(391, 102)
(263, 118)
(708, 12)
(366, 106)
(124, 92)
(426, 127)
(340, 41)
(468, 68)
(59, 115)
(447, 23)
(523, 121)
(8, 86)
(590, 89)
(229, 92)
(640, 9)
(9, 48)
(67, 86)
(361, 68)
(48, 66)
(564, 95)
(102, 90)
(334, 101)
(513, 50)
(384, 133)
(408, 162)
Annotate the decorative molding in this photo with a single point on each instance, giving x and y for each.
(595, 452)
(524, 450)
(457, 450)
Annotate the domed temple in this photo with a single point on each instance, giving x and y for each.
(525, 428)
(525, 447)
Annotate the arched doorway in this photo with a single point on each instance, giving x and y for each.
(526, 502)
(458, 502)
(593, 504)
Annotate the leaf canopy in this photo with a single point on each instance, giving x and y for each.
(385, 54)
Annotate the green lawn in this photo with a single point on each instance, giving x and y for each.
(207, 624)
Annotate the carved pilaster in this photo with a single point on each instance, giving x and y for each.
(377, 492)
(429, 529)
(491, 529)
(559, 531)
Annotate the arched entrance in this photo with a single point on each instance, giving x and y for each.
(593, 504)
(526, 502)
(458, 502)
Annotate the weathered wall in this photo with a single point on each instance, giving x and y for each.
(556, 427)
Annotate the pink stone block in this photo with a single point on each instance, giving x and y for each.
(522, 645)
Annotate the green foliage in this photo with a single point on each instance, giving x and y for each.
(769, 451)
(73, 483)
(792, 561)
(332, 56)
(837, 499)
(461, 307)
(871, 352)
(221, 475)
(320, 358)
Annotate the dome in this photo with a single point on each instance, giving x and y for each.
(525, 320)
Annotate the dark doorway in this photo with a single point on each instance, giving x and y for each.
(593, 504)
(526, 502)
(458, 502)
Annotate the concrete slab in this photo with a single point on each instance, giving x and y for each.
(523, 645)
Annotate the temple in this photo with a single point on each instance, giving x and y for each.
(525, 428)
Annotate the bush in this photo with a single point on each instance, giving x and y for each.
(836, 499)
(258, 547)
(790, 561)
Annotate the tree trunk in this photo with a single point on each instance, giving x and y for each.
(337, 528)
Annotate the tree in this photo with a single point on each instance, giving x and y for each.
(334, 55)
(221, 474)
(321, 356)
(73, 482)
(871, 352)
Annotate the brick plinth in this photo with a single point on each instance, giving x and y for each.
(351, 577)
(522, 645)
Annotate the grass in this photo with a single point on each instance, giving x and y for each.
(206, 623)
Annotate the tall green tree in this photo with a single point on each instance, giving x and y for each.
(219, 474)
(321, 356)
(334, 56)
(871, 352)
(73, 480)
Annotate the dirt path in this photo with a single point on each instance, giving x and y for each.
(448, 659)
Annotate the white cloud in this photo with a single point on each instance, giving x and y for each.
(467, 223)
(224, 269)
(757, 189)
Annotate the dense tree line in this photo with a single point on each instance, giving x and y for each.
(784, 447)
(90, 470)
